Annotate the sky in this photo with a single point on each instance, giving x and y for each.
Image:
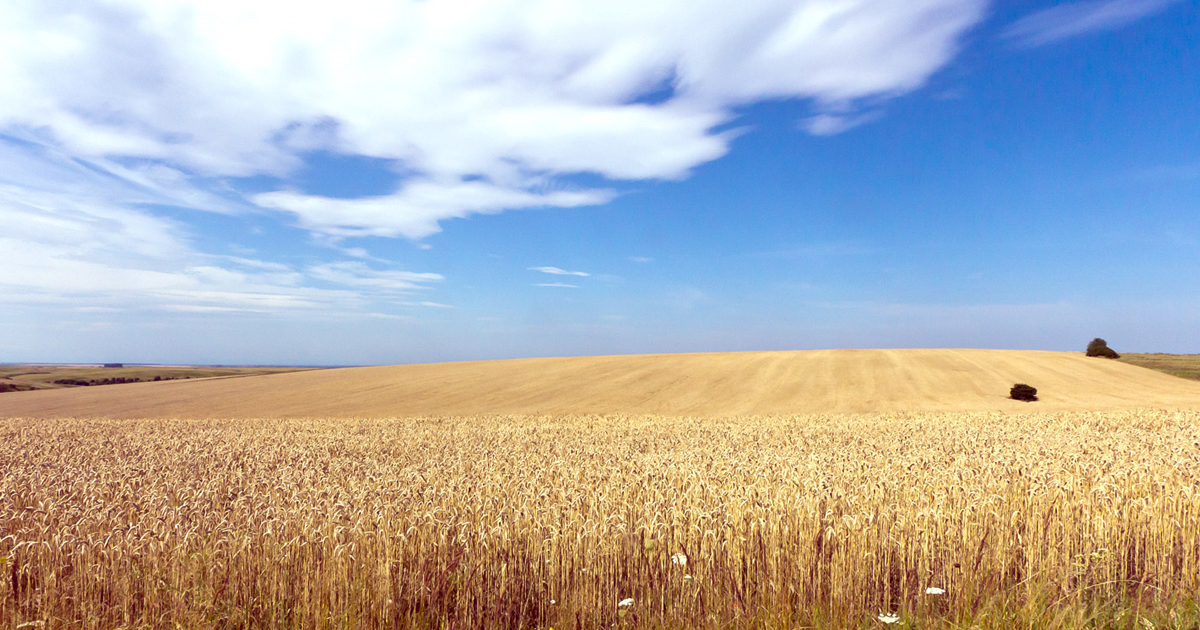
(223, 182)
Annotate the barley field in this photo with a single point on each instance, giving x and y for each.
(904, 520)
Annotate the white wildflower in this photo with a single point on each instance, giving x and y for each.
(628, 601)
(889, 618)
(687, 578)
(933, 590)
(679, 558)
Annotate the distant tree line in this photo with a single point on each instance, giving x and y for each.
(116, 380)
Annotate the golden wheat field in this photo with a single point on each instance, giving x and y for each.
(701, 384)
(1040, 520)
(1025, 518)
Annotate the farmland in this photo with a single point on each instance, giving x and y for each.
(1020, 516)
(1042, 520)
(19, 377)
(1181, 365)
(702, 384)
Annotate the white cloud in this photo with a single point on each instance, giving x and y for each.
(357, 274)
(415, 211)
(1079, 18)
(391, 316)
(558, 285)
(833, 124)
(49, 195)
(559, 272)
(113, 111)
(257, 264)
(485, 104)
(48, 273)
(79, 237)
(641, 259)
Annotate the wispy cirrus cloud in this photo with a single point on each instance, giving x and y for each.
(1080, 18)
(416, 211)
(560, 272)
(358, 274)
(83, 237)
(831, 124)
(557, 285)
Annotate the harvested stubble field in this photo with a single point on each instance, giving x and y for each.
(1042, 520)
(701, 384)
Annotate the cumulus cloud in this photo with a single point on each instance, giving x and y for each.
(559, 272)
(1070, 20)
(486, 105)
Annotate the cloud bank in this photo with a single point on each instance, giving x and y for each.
(482, 106)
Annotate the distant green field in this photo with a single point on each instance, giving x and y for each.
(1181, 365)
(28, 377)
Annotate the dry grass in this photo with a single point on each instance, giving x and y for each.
(1041, 521)
(1181, 365)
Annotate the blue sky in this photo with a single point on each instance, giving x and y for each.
(425, 181)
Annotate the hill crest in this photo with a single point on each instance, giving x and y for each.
(700, 384)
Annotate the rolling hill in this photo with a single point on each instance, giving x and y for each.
(815, 381)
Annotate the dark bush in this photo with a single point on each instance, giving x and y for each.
(1021, 391)
(1099, 348)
